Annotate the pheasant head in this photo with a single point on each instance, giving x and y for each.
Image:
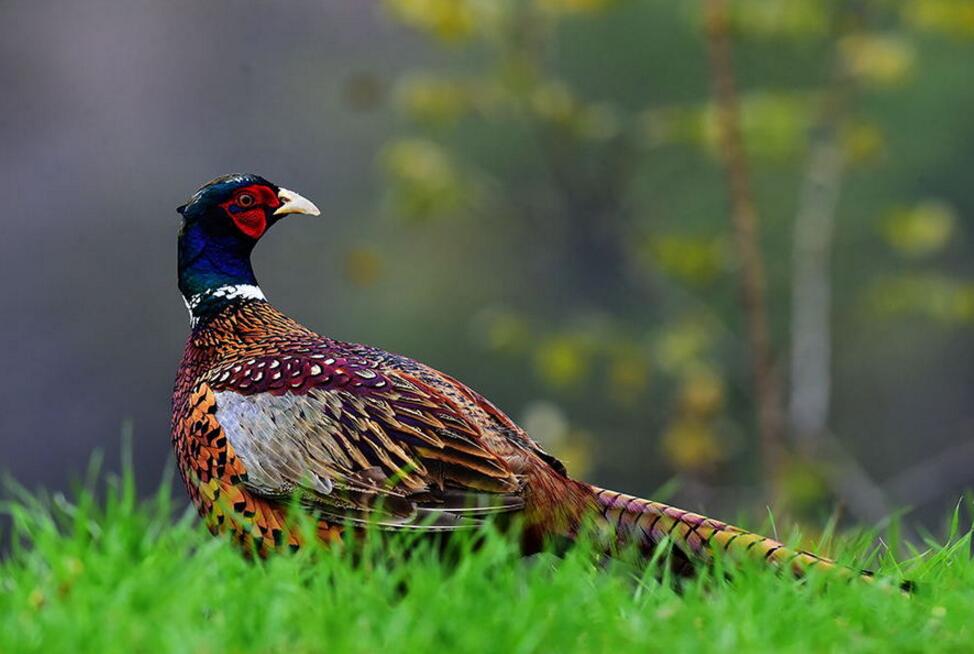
(222, 223)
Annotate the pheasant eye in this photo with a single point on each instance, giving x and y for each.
(245, 200)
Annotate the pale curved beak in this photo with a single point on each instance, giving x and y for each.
(291, 202)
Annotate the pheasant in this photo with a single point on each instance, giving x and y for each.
(264, 409)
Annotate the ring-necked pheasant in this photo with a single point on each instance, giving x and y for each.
(264, 408)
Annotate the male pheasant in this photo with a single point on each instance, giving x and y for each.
(264, 408)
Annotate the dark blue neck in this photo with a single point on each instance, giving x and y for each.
(209, 262)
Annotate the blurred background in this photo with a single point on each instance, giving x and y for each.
(533, 196)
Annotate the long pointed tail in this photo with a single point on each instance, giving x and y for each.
(646, 524)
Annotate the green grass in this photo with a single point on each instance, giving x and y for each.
(123, 575)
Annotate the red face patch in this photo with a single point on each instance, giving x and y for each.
(248, 208)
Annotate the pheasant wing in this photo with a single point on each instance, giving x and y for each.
(358, 442)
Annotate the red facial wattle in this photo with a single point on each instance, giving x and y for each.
(248, 209)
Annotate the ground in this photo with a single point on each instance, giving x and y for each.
(117, 574)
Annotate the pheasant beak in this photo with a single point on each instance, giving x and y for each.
(291, 202)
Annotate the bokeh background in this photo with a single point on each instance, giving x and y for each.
(531, 196)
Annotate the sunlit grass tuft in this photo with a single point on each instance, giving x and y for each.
(108, 572)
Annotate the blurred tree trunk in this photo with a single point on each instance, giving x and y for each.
(744, 218)
(811, 299)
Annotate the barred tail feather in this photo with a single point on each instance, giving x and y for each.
(646, 524)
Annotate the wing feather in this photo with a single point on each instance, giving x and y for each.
(378, 446)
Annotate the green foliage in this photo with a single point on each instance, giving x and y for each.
(933, 296)
(877, 59)
(695, 261)
(119, 575)
(451, 21)
(801, 19)
(425, 179)
(953, 17)
(693, 442)
(921, 230)
(774, 125)
(582, 136)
